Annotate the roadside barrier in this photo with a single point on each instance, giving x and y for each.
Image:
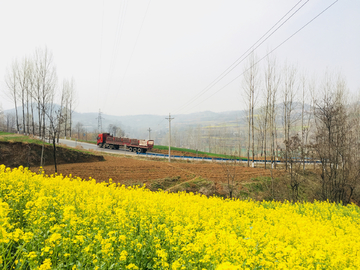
(218, 159)
(200, 158)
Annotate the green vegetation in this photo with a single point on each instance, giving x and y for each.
(12, 137)
(162, 147)
(164, 183)
(5, 133)
(260, 184)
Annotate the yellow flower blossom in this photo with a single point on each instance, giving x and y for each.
(123, 255)
(46, 265)
(32, 255)
(132, 266)
(134, 228)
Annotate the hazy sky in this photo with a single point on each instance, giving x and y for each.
(153, 57)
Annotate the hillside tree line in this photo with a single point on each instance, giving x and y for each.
(31, 83)
(294, 118)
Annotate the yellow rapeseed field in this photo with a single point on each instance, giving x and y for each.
(56, 222)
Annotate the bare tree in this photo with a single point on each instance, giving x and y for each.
(12, 86)
(260, 123)
(55, 118)
(294, 151)
(272, 81)
(2, 118)
(307, 88)
(63, 109)
(229, 168)
(23, 77)
(289, 92)
(250, 85)
(10, 122)
(72, 102)
(239, 141)
(209, 138)
(175, 136)
(334, 140)
(44, 83)
(198, 136)
(116, 130)
(79, 128)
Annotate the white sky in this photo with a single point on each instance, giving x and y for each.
(182, 47)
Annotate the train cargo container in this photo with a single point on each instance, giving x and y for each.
(105, 140)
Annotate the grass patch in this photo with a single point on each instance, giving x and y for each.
(164, 183)
(258, 186)
(185, 150)
(197, 185)
(11, 137)
(5, 133)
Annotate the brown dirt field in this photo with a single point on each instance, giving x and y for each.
(136, 171)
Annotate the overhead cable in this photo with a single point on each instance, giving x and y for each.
(101, 41)
(267, 53)
(118, 34)
(132, 52)
(238, 61)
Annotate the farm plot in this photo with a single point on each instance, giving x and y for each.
(155, 174)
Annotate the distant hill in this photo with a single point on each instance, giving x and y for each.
(136, 126)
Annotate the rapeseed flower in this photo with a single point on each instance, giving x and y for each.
(64, 222)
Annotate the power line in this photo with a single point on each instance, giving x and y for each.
(245, 54)
(101, 41)
(119, 32)
(268, 53)
(132, 52)
(118, 35)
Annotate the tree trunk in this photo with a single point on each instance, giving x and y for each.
(54, 151)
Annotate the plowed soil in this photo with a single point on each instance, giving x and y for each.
(136, 171)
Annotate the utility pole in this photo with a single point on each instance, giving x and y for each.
(149, 132)
(169, 118)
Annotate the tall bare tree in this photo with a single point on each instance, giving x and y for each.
(260, 124)
(63, 109)
(23, 77)
(307, 88)
(72, 102)
(10, 122)
(289, 92)
(44, 83)
(54, 118)
(12, 87)
(250, 87)
(272, 81)
(2, 118)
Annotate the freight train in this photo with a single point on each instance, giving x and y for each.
(105, 140)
